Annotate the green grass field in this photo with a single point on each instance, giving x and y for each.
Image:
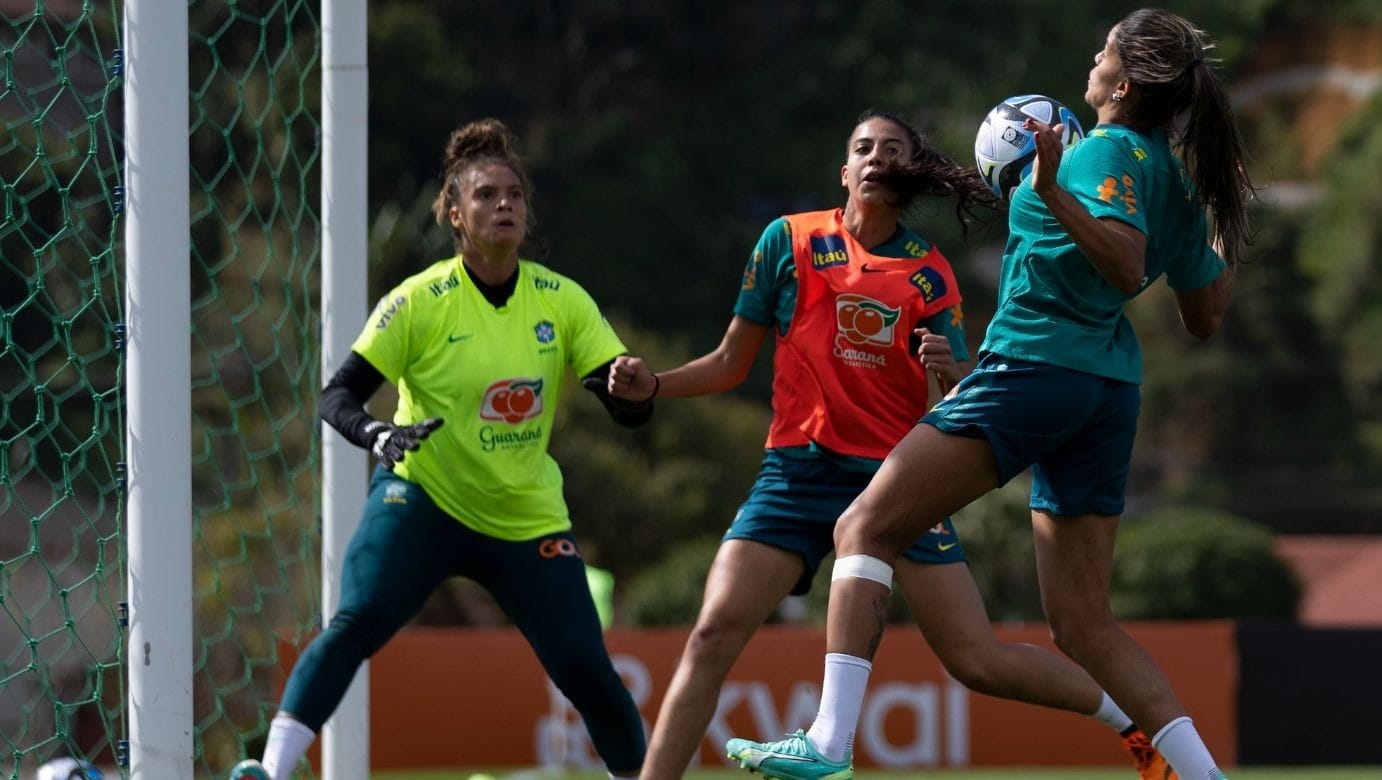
(1247, 773)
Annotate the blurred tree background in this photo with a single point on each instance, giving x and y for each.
(663, 136)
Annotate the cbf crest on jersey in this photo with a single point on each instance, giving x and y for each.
(545, 331)
(512, 400)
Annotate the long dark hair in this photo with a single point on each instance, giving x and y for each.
(1167, 58)
(484, 140)
(929, 173)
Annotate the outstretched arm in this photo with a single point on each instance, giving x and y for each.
(713, 372)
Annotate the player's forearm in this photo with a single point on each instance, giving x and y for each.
(342, 401)
(717, 371)
(1202, 310)
(1112, 253)
(706, 375)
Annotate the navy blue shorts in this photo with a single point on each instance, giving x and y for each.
(1074, 429)
(794, 505)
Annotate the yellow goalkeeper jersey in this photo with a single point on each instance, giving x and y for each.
(494, 375)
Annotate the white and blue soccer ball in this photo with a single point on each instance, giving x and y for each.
(1004, 151)
(68, 769)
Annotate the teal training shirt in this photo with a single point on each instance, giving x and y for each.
(768, 296)
(1053, 305)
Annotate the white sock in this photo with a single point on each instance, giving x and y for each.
(1111, 715)
(1183, 749)
(287, 744)
(842, 696)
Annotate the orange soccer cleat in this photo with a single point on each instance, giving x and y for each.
(1151, 765)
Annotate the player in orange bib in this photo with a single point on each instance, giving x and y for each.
(869, 333)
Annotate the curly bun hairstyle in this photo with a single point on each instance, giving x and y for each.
(482, 141)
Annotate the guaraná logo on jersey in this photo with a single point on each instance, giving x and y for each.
(864, 320)
(828, 251)
(863, 325)
(512, 400)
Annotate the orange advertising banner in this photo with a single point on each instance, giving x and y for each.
(477, 697)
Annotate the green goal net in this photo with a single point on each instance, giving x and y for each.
(255, 83)
(254, 140)
(61, 558)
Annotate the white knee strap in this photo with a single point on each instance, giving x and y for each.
(864, 567)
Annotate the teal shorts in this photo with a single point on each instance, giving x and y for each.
(1075, 430)
(794, 505)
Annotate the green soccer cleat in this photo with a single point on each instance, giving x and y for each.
(249, 769)
(793, 758)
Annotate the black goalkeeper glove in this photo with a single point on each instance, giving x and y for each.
(391, 442)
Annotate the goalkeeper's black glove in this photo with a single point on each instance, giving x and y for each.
(391, 442)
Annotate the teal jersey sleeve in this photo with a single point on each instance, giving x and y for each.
(1195, 264)
(1126, 176)
(1103, 175)
(1201, 266)
(951, 324)
(767, 294)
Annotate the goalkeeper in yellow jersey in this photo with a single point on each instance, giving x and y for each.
(481, 342)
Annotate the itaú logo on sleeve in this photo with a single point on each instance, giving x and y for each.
(512, 400)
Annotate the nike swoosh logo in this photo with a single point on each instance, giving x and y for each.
(458, 339)
(944, 547)
(869, 270)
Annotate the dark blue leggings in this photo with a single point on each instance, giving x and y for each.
(404, 548)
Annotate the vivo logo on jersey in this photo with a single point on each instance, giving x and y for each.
(931, 284)
(387, 309)
(512, 400)
(828, 251)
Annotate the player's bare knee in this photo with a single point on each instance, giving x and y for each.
(858, 531)
(975, 672)
(715, 641)
(1078, 636)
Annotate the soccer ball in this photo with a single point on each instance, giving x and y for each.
(68, 769)
(1004, 151)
